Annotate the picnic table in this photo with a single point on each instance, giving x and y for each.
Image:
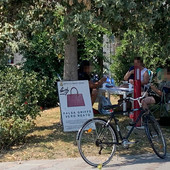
(118, 91)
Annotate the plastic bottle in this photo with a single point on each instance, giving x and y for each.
(130, 87)
(108, 80)
(113, 82)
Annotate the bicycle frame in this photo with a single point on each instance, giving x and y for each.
(115, 120)
(133, 126)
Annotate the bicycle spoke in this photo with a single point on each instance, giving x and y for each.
(96, 144)
(155, 137)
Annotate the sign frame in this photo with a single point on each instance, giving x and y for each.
(75, 104)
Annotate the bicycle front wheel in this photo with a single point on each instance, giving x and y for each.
(97, 142)
(155, 137)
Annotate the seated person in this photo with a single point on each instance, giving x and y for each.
(84, 74)
(129, 76)
(156, 98)
(163, 75)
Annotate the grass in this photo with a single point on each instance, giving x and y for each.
(48, 141)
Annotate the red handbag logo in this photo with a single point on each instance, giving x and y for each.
(75, 100)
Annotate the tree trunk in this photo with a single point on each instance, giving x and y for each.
(70, 60)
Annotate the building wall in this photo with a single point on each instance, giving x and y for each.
(18, 59)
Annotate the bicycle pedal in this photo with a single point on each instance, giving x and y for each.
(130, 143)
(126, 143)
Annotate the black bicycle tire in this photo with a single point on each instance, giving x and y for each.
(151, 118)
(79, 136)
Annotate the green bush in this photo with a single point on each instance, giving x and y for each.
(20, 92)
(19, 95)
(42, 55)
(13, 130)
(51, 99)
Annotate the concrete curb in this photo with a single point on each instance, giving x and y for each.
(132, 162)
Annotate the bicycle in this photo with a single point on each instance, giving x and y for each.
(97, 139)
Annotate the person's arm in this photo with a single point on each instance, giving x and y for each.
(159, 92)
(145, 78)
(128, 74)
(101, 81)
(97, 84)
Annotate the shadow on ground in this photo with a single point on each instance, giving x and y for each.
(140, 159)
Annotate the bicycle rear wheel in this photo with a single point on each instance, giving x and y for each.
(97, 142)
(155, 137)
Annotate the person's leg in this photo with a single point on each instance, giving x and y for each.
(146, 101)
(94, 95)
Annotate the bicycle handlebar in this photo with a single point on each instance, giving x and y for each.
(133, 99)
(139, 98)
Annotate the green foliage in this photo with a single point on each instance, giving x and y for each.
(137, 44)
(20, 92)
(91, 48)
(42, 56)
(19, 95)
(13, 130)
(51, 99)
(60, 19)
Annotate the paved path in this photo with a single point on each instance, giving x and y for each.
(140, 162)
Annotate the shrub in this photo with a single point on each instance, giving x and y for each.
(51, 99)
(13, 130)
(19, 95)
(41, 55)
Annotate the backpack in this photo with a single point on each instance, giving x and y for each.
(104, 101)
